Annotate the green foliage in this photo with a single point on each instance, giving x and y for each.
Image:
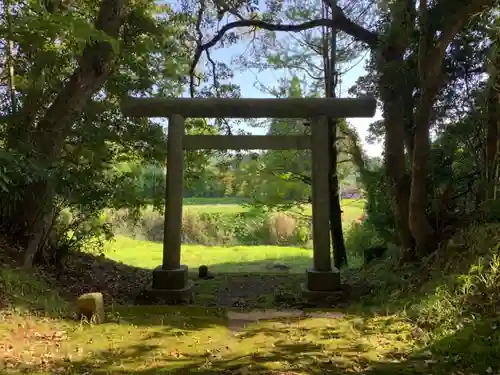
(490, 211)
(252, 227)
(360, 237)
(26, 293)
(447, 291)
(378, 206)
(14, 170)
(77, 230)
(84, 171)
(471, 264)
(451, 297)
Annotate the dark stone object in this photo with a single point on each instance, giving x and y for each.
(373, 253)
(323, 281)
(203, 273)
(170, 279)
(164, 297)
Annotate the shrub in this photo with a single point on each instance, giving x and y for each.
(207, 228)
(151, 226)
(469, 284)
(361, 236)
(378, 206)
(451, 295)
(73, 230)
(281, 228)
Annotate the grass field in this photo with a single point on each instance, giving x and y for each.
(190, 340)
(148, 254)
(352, 208)
(438, 320)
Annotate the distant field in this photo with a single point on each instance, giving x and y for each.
(235, 258)
(220, 259)
(214, 201)
(352, 208)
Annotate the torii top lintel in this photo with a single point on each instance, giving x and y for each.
(249, 108)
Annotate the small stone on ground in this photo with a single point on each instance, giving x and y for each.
(91, 306)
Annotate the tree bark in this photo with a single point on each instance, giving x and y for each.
(419, 224)
(396, 172)
(493, 127)
(432, 79)
(339, 250)
(395, 86)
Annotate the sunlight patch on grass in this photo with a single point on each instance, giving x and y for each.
(148, 254)
(147, 340)
(26, 293)
(353, 208)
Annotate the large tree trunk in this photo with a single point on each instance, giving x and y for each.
(396, 86)
(339, 250)
(95, 65)
(420, 227)
(493, 127)
(397, 176)
(430, 59)
(395, 159)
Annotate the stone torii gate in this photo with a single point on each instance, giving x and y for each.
(170, 280)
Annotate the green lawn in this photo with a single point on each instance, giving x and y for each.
(37, 338)
(214, 201)
(223, 259)
(148, 254)
(185, 341)
(216, 208)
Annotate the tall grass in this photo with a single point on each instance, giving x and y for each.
(229, 224)
(220, 228)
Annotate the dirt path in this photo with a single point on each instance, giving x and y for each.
(239, 320)
(123, 284)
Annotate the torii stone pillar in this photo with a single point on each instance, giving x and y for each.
(170, 280)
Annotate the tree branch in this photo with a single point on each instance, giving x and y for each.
(340, 21)
(463, 12)
(94, 66)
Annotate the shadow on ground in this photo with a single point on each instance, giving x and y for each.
(273, 352)
(198, 340)
(121, 284)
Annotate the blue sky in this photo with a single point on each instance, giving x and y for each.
(247, 80)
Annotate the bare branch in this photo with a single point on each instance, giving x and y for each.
(463, 12)
(340, 21)
(199, 42)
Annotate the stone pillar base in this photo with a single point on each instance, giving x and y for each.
(170, 286)
(322, 286)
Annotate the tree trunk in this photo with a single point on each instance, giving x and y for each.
(37, 241)
(493, 127)
(420, 227)
(396, 86)
(339, 250)
(395, 160)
